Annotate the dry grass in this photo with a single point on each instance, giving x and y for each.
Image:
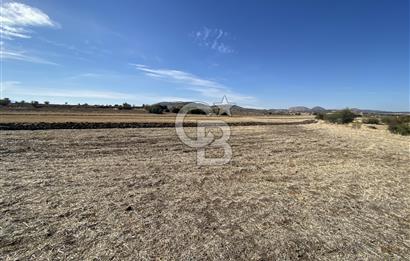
(30, 117)
(291, 192)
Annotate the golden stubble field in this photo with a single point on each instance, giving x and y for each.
(313, 191)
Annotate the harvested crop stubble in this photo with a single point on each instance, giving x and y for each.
(123, 125)
(307, 192)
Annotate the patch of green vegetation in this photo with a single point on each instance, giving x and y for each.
(155, 108)
(125, 106)
(5, 102)
(371, 120)
(320, 116)
(197, 111)
(175, 109)
(35, 104)
(398, 124)
(340, 117)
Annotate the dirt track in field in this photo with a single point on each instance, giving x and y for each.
(290, 192)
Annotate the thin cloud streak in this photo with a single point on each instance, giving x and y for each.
(22, 56)
(86, 75)
(192, 82)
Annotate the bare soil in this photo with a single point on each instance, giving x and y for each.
(290, 192)
(39, 120)
(126, 116)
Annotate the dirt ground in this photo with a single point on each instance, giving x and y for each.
(314, 191)
(30, 117)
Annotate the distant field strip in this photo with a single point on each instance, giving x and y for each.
(111, 125)
(43, 121)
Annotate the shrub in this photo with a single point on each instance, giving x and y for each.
(35, 104)
(46, 102)
(5, 101)
(340, 117)
(320, 116)
(402, 129)
(395, 119)
(197, 111)
(175, 109)
(398, 124)
(126, 106)
(371, 121)
(156, 108)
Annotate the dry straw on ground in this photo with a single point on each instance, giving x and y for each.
(291, 192)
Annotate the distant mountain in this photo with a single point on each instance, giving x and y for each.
(235, 109)
(278, 111)
(171, 105)
(318, 109)
(299, 109)
(356, 110)
(238, 110)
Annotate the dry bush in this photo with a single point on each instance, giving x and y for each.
(398, 124)
(371, 120)
(340, 117)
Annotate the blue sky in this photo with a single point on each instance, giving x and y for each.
(263, 54)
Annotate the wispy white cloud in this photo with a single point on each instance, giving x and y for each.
(69, 47)
(213, 39)
(103, 75)
(16, 21)
(22, 56)
(206, 88)
(86, 49)
(17, 18)
(86, 75)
